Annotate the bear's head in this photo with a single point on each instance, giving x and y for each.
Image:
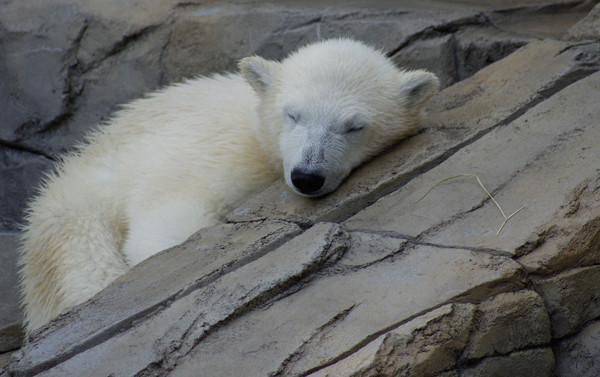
(332, 105)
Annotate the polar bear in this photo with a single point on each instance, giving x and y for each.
(177, 160)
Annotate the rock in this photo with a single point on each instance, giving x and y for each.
(223, 248)
(4, 358)
(433, 342)
(541, 20)
(509, 322)
(425, 346)
(185, 317)
(586, 28)
(32, 69)
(436, 54)
(64, 59)
(333, 315)
(578, 355)
(478, 47)
(567, 243)
(516, 150)
(60, 63)
(296, 329)
(457, 56)
(478, 226)
(450, 373)
(17, 166)
(369, 248)
(11, 332)
(534, 362)
(572, 298)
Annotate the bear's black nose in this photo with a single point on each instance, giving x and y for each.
(307, 182)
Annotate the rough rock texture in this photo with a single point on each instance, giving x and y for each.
(578, 355)
(10, 313)
(572, 298)
(425, 346)
(375, 279)
(507, 322)
(587, 28)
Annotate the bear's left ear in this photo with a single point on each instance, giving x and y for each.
(258, 72)
(417, 87)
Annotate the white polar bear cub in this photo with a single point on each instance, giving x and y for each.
(179, 159)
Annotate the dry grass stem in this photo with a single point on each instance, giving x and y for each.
(506, 218)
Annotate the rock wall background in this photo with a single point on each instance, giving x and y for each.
(363, 282)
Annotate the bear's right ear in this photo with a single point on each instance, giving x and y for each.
(258, 72)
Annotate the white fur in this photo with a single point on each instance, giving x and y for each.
(178, 160)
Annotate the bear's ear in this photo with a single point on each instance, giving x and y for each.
(258, 72)
(417, 87)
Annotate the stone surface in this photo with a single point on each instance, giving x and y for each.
(334, 314)
(578, 355)
(567, 243)
(509, 322)
(541, 20)
(188, 320)
(558, 170)
(292, 334)
(457, 56)
(369, 280)
(511, 157)
(4, 359)
(10, 313)
(534, 362)
(425, 346)
(433, 342)
(16, 167)
(587, 28)
(572, 298)
(223, 248)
